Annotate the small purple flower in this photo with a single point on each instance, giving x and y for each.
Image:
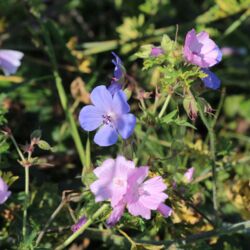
(114, 87)
(110, 113)
(79, 224)
(4, 193)
(165, 210)
(119, 70)
(119, 75)
(211, 80)
(116, 213)
(156, 51)
(189, 174)
(10, 61)
(200, 50)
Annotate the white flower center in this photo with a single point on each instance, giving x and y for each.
(119, 182)
(109, 118)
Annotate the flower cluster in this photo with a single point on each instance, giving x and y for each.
(202, 51)
(124, 185)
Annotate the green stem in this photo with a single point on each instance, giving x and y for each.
(17, 148)
(212, 140)
(62, 95)
(52, 217)
(101, 210)
(164, 107)
(26, 188)
(26, 201)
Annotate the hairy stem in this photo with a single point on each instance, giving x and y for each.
(52, 217)
(26, 187)
(101, 210)
(212, 141)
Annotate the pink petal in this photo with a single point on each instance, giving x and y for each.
(154, 185)
(137, 208)
(116, 214)
(106, 169)
(101, 190)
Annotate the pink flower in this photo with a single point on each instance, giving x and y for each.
(4, 193)
(112, 180)
(156, 51)
(125, 186)
(200, 50)
(189, 175)
(142, 197)
(10, 61)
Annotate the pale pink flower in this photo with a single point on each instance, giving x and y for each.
(200, 50)
(4, 193)
(126, 187)
(189, 174)
(112, 180)
(10, 60)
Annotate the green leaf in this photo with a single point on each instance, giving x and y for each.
(44, 145)
(8, 177)
(184, 123)
(36, 134)
(144, 51)
(88, 156)
(166, 43)
(169, 117)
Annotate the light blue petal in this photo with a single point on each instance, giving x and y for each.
(101, 98)
(126, 125)
(120, 104)
(114, 87)
(106, 136)
(90, 118)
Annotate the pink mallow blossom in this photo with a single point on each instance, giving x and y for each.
(10, 60)
(126, 187)
(4, 192)
(200, 50)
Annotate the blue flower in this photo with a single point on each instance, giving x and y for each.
(108, 113)
(119, 70)
(119, 75)
(114, 87)
(211, 80)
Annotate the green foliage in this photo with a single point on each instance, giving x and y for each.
(170, 143)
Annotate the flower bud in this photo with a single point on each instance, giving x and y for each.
(190, 107)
